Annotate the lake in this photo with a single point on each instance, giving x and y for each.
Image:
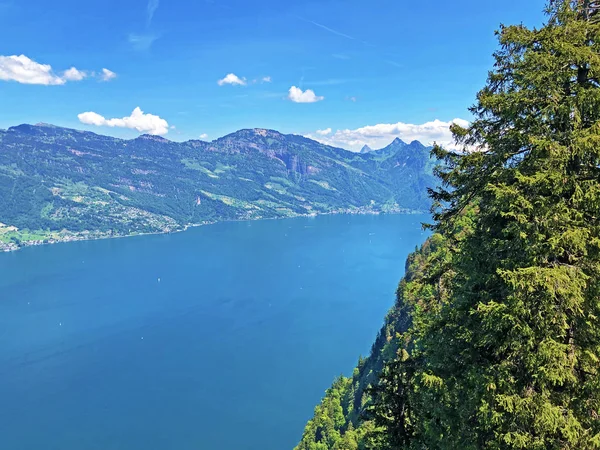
(221, 337)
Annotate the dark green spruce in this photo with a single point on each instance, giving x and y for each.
(502, 350)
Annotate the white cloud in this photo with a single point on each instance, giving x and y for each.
(91, 118)
(144, 123)
(204, 136)
(74, 75)
(380, 135)
(266, 79)
(26, 71)
(232, 78)
(107, 75)
(324, 132)
(308, 96)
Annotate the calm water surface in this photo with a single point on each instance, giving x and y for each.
(223, 337)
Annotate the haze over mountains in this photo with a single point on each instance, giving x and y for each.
(62, 184)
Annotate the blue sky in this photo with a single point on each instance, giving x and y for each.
(367, 70)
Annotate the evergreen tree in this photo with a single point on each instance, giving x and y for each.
(497, 321)
(513, 359)
(391, 406)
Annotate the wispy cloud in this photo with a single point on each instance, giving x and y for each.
(262, 80)
(150, 10)
(142, 42)
(343, 56)
(332, 31)
(297, 95)
(138, 120)
(380, 135)
(324, 132)
(326, 28)
(394, 63)
(204, 136)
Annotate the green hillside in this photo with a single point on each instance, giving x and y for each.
(62, 184)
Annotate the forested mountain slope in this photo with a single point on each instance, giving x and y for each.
(346, 417)
(58, 183)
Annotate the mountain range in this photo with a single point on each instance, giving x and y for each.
(60, 184)
(395, 146)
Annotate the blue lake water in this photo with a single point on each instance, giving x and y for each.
(222, 337)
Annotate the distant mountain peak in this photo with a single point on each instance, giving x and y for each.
(25, 128)
(152, 137)
(416, 143)
(250, 133)
(393, 147)
(43, 129)
(45, 125)
(366, 149)
(265, 132)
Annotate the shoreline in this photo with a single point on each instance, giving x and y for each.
(12, 247)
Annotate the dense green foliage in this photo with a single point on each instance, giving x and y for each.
(54, 178)
(503, 347)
